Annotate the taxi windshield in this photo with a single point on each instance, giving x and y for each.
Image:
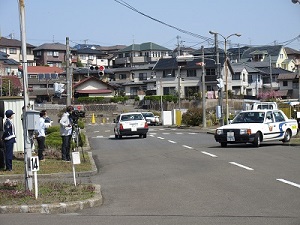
(249, 117)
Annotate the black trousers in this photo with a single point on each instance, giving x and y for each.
(66, 147)
(41, 147)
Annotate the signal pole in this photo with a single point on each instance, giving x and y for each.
(68, 72)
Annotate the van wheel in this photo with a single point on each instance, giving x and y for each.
(144, 135)
(257, 140)
(287, 136)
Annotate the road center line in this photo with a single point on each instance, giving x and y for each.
(161, 138)
(289, 182)
(172, 141)
(207, 153)
(240, 165)
(187, 146)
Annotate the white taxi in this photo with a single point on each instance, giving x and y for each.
(128, 124)
(256, 126)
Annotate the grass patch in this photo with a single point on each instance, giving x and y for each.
(13, 193)
(52, 165)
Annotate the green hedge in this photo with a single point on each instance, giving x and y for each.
(165, 98)
(102, 100)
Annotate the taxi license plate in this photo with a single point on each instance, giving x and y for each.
(134, 127)
(230, 136)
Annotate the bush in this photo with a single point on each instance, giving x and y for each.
(193, 117)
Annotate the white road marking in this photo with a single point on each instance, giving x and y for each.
(161, 129)
(165, 133)
(96, 131)
(185, 146)
(192, 133)
(98, 137)
(172, 141)
(152, 133)
(289, 182)
(107, 131)
(240, 165)
(161, 138)
(207, 153)
(178, 133)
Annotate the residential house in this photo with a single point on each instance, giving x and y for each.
(41, 81)
(91, 57)
(139, 54)
(275, 55)
(13, 48)
(8, 66)
(50, 54)
(93, 87)
(189, 82)
(135, 81)
(289, 85)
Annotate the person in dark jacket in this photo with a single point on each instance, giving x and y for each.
(9, 138)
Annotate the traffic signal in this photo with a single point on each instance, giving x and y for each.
(101, 70)
(220, 83)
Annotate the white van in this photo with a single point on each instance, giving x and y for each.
(264, 105)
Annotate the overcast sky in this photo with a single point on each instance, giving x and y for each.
(107, 22)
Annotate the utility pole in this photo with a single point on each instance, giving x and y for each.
(203, 90)
(179, 86)
(69, 79)
(27, 142)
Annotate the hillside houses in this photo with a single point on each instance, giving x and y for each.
(150, 69)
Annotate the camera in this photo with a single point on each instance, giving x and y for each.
(76, 114)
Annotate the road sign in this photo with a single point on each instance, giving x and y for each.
(34, 163)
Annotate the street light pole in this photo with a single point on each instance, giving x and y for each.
(226, 67)
(203, 90)
(179, 87)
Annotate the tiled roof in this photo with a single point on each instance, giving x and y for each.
(51, 46)
(90, 78)
(144, 47)
(287, 76)
(272, 50)
(6, 42)
(42, 69)
(291, 51)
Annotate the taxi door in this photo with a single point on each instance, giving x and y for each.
(271, 128)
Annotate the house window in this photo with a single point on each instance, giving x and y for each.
(38, 53)
(169, 91)
(3, 50)
(210, 72)
(82, 57)
(122, 76)
(55, 54)
(134, 91)
(49, 53)
(12, 51)
(91, 57)
(236, 77)
(285, 83)
(142, 76)
(168, 73)
(191, 73)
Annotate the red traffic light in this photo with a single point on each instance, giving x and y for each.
(101, 68)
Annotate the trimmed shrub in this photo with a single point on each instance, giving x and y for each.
(193, 117)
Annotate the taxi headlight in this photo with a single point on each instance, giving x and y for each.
(219, 131)
(245, 131)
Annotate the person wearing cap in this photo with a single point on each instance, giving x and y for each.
(66, 134)
(9, 139)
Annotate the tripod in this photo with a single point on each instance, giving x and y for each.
(76, 137)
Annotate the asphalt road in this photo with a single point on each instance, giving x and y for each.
(177, 176)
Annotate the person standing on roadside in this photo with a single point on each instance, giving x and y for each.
(41, 137)
(66, 134)
(9, 138)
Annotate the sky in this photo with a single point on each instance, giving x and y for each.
(164, 22)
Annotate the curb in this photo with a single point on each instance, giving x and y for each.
(56, 207)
